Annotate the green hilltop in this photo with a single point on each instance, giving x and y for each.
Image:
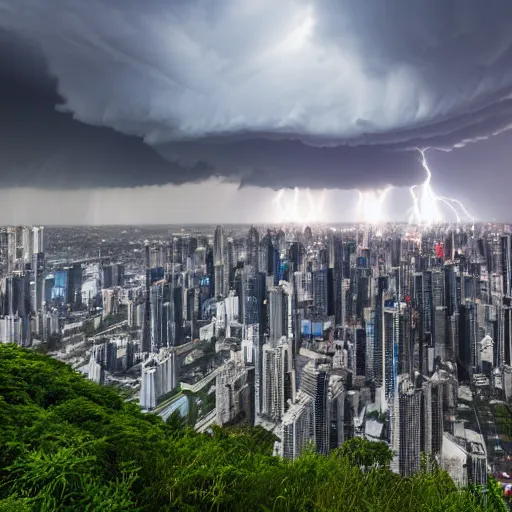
(67, 444)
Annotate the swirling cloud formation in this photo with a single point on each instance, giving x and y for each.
(291, 93)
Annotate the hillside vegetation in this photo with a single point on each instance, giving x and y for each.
(67, 444)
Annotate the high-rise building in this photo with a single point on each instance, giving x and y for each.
(369, 325)
(159, 377)
(278, 386)
(392, 333)
(506, 264)
(221, 263)
(297, 427)
(439, 335)
(326, 388)
(320, 291)
(360, 346)
(277, 313)
(253, 249)
(432, 416)
(11, 330)
(38, 239)
(233, 396)
(468, 333)
(336, 396)
(409, 420)
(219, 246)
(159, 295)
(315, 383)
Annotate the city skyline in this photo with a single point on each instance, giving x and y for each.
(397, 334)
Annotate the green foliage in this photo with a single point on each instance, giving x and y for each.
(503, 420)
(174, 392)
(200, 404)
(366, 455)
(13, 504)
(493, 497)
(376, 415)
(67, 445)
(177, 422)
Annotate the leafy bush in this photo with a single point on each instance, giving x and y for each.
(68, 444)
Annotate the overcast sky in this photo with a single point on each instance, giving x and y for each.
(173, 111)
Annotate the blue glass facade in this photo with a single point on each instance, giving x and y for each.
(60, 286)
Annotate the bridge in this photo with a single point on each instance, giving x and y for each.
(204, 423)
(97, 259)
(194, 388)
(181, 349)
(109, 329)
(84, 261)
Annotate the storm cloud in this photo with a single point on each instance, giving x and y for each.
(267, 93)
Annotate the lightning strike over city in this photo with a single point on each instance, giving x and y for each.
(292, 207)
(298, 206)
(425, 208)
(370, 206)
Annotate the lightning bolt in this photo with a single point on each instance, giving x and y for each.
(295, 215)
(461, 206)
(429, 210)
(360, 201)
(321, 204)
(425, 205)
(383, 195)
(371, 204)
(290, 209)
(279, 206)
(447, 202)
(415, 215)
(316, 207)
(312, 215)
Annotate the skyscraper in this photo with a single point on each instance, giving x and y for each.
(146, 327)
(392, 334)
(278, 386)
(253, 248)
(315, 383)
(220, 263)
(298, 427)
(360, 346)
(320, 291)
(409, 418)
(369, 325)
(277, 313)
(432, 416)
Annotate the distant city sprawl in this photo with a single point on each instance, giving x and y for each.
(393, 333)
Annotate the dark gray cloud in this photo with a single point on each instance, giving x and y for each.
(276, 94)
(40, 147)
(279, 163)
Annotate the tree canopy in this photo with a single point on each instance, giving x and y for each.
(68, 444)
